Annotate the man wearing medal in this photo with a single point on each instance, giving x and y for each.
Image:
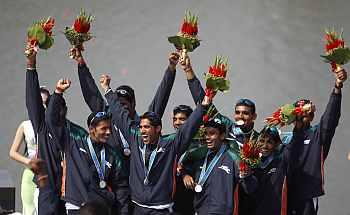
(153, 157)
(214, 175)
(91, 171)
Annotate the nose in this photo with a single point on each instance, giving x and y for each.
(108, 131)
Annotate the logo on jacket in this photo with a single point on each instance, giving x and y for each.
(83, 150)
(108, 164)
(161, 149)
(306, 142)
(225, 168)
(273, 170)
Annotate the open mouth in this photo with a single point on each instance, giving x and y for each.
(240, 122)
(145, 137)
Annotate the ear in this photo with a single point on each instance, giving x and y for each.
(91, 131)
(222, 136)
(254, 116)
(158, 129)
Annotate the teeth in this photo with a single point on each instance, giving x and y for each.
(239, 122)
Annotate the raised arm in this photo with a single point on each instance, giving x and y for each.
(330, 118)
(91, 93)
(197, 90)
(120, 115)
(34, 103)
(162, 95)
(56, 112)
(187, 131)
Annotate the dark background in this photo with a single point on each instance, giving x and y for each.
(273, 47)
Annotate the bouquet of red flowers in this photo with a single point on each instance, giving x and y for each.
(210, 114)
(250, 156)
(187, 38)
(337, 53)
(215, 79)
(80, 31)
(287, 114)
(39, 35)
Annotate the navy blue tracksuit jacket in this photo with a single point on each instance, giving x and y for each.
(219, 194)
(308, 179)
(96, 102)
(273, 175)
(82, 181)
(49, 196)
(160, 189)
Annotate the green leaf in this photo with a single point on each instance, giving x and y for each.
(37, 32)
(189, 43)
(47, 44)
(340, 56)
(287, 113)
(217, 83)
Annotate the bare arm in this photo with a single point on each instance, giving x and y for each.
(16, 144)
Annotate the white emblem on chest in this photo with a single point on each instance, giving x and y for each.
(225, 168)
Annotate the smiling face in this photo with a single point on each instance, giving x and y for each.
(268, 144)
(150, 134)
(179, 119)
(245, 115)
(214, 138)
(101, 131)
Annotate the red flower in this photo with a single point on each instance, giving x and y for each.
(189, 28)
(48, 25)
(248, 151)
(81, 25)
(205, 118)
(33, 42)
(210, 92)
(243, 167)
(218, 71)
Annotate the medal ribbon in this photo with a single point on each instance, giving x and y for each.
(151, 160)
(206, 171)
(100, 168)
(124, 141)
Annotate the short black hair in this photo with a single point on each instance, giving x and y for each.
(43, 90)
(305, 101)
(246, 102)
(216, 123)
(154, 119)
(126, 92)
(272, 132)
(94, 208)
(185, 109)
(95, 117)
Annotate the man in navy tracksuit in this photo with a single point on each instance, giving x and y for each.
(153, 157)
(49, 196)
(92, 173)
(215, 173)
(96, 102)
(269, 195)
(307, 182)
(242, 128)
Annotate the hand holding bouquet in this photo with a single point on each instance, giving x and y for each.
(186, 39)
(215, 79)
(337, 54)
(39, 35)
(80, 31)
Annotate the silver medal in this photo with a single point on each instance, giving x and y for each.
(198, 188)
(146, 182)
(127, 152)
(103, 184)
